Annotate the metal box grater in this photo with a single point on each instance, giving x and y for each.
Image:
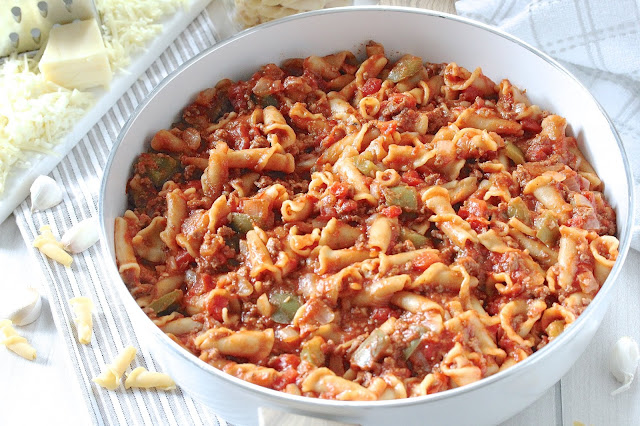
(25, 24)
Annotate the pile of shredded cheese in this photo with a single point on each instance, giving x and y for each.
(128, 25)
(36, 114)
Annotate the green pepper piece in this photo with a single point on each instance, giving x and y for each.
(140, 191)
(417, 239)
(548, 231)
(547, 235)
(312, 351)
(407, 66)
(287, 304)
(369, 350)
(163, 303)
(402, 196)
(241, 223)
(409, 350)
(514, 153)
(366, 167)
(518, 209)
(165, 167)
(233, 242)
(268, 100)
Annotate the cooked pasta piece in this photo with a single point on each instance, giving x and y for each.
(261, 159)
(471, 118)
(147, 242)
(253, 345)
(125, 255)
(324, 381)
(381, 233)
(379, 292)
(176, 141)
(333, 260)
(337, 234)
(176, 214)
(459, 231)
(217, 171)
(258, 258)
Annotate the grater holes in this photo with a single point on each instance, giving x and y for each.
(15, 39)
(43, 7)
(68, 4)
(36, 35)
(17, 13)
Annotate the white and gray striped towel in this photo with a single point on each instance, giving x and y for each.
(597, 40)
(80, 173)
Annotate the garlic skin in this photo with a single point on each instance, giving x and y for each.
(81, 236)
(21, 305)
(623, 362)
(45, 193)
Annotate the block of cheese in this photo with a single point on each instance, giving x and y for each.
(75, 56)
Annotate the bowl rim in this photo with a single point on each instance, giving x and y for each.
(274, 395)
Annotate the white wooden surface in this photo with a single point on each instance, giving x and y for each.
(45, 391)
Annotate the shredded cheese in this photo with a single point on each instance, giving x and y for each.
(128, 25)
(35, 114)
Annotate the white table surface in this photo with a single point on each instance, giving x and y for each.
(44, 392)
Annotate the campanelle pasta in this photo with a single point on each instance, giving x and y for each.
(82, 307)
(363, 230)
(14, 342)
(141, 378)
(110, 376)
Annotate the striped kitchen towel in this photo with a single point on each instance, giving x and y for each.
(80, 173)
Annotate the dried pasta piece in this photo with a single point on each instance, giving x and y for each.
(82, 307)
(142, 378)
(47, 243)
(111, 375)
(16, 343)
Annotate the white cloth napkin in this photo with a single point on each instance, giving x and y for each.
(598, 41)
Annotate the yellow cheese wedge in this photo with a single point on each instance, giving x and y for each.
(75, 56)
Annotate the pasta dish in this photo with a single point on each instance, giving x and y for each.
(364, 229)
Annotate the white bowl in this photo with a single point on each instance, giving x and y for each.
(436, 37)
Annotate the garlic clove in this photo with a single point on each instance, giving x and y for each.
(623, 362)
(81, 236)
(45, 193)
(21, 305)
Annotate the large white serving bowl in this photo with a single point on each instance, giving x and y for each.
(436, 37)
